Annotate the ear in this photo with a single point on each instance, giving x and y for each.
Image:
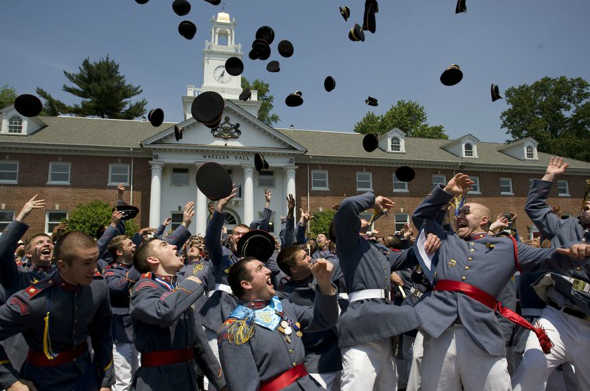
(61, 265)
(153, 261)
(119, 252)
(246, 285)
(485, 222)
(28, 254)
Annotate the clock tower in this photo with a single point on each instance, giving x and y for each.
(215, 78)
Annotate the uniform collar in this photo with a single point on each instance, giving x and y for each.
(121, 264)
(43, 268)
(167, 279)
(303, 281)
(256, 304)
(477, 236)
(66, 285)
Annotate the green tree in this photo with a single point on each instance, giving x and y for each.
(103, 90)
(264, 114)
(553, 111)
(90, 217)
(320, 224)
(408, 116)
(7, 96)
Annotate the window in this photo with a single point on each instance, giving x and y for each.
(15, 124)
(319, 180)
(400, 220)
(53, 218)
(396, 145)
(6, 216)
(266, 179)
(530, 152)
(399, 186)
(506, 186)
(468, 150)
(59, 173)
(8, 172)
(439, 180)
(364, 181)
(475, 186)
(118, 173)
(180, 177)
(563, 189)
(176, 220)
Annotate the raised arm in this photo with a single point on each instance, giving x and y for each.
(430, 207)
(108, 235)
(536, 207)
(213, 232)
(533, 259)
(182, 233)
(302, 226)
(150, 306)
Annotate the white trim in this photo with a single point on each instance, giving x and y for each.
(476, 180)
(567, 188)
(10, 181)
(406, 190)
(68, 182)
(511, 192)
(114, 183)
(47, 222)
(444, 179)
(321, 188)
(370, 188)
(4, 223)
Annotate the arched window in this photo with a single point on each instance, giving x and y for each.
(231, 220)
(15, 124)
(395, 144)
(530, 152)
(468, 149)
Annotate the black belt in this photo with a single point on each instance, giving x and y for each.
(568, 310)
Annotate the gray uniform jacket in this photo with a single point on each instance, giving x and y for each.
(163, 320)
(488, 264)
(220, 304)
(322, 354)
(76, 313)
(268, 354)
(560, 232)
(367, 267)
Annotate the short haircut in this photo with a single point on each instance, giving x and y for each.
(66, 245)
(238, 273)
(100, 231)
(241, 226)
(393, 241)
(287, 258)
(141, 255)
(29, 243)
(115, 245)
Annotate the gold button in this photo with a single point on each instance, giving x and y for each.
(291, 351)
(294, 365)
(471, 259)
(463, 278)
(472, 250)
(466, 267)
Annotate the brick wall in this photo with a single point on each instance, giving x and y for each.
(88, 182)
(342, 183)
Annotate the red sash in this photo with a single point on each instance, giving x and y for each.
(491, 302)
(285, 379)
(166, 357)
(40, 359)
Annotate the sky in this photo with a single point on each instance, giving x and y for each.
(505, 42)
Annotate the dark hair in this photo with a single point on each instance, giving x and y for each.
(116, 244)
(287, 258)
(100, 231)
(332, 232)
(238, 273)
(66, 245)
(393, 241)
(142, 254)
(242, 226)
(29, 242)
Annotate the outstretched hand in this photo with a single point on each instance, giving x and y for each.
(577, 251)
(189, 212)
(224, 201)
(322, 271)
(555, 168)
(382, 203)
(33, 203)
(459, 184)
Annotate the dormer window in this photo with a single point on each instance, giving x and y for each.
(395, 144)
(530, 152)
(15, 125)
(468, 150)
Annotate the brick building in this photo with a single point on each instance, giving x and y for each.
(68, 161)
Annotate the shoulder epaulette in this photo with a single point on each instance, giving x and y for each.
(146, 275)
(237, 331)
(40, 286)
(144, 283)
(97, 276)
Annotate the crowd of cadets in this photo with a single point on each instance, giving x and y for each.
(345, 310)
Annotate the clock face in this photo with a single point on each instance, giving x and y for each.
(221, 75)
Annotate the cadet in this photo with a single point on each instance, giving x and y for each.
(260, 343)
(164, 324)
(567, 314)
(371, 319)
(323, 359)
(478, 266)
(57, 316)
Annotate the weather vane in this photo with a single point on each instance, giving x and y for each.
(223, 4)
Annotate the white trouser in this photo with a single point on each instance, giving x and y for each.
(369, 366)
(329, 380)
(212, 339)
(126, 362)
(571, 343)
(414, 380)
(453, 360)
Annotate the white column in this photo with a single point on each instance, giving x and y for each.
(201, 211)
(248, 195)
(289, 181)
(155, 194)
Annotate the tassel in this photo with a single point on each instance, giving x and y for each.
(46, 342)
(544, 340)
